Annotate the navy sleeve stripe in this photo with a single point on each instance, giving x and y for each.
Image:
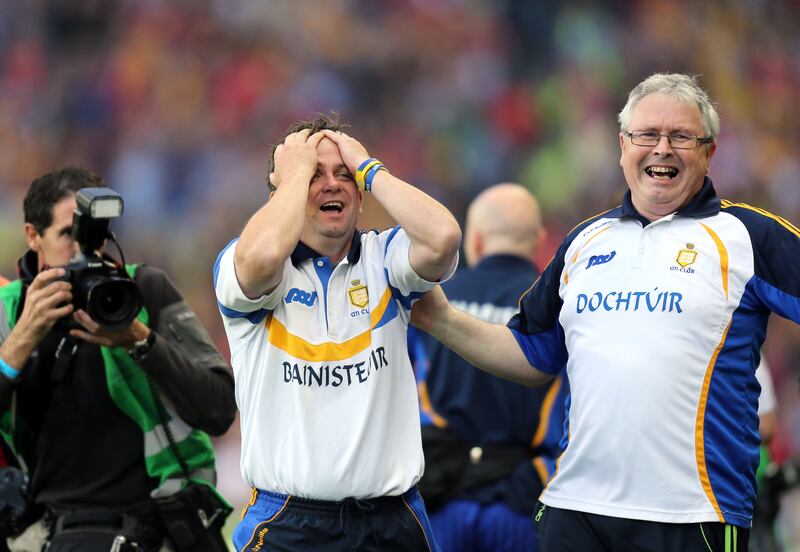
(254, 317)
(778, 301)
(544, 351)
(388, 315)
(219, 259)
(392, 234)
(775, 244)
(780, 220)
(405, 300)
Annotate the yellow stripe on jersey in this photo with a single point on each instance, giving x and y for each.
(427, 407)
(723, 257)
(553, 257)
(597, 216)
(545, 412)
(541, 469)
(699, 442)
(558, 463)
(780, 220)
(578, 252)
(279, 337)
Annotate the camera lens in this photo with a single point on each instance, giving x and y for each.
(113, 302)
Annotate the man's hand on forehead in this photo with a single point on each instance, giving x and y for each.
(353, 153)
(296, 156)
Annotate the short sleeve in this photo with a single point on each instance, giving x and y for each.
(406, 284)
(232, 301)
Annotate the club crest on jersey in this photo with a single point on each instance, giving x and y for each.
(687, 256)
(359, 295)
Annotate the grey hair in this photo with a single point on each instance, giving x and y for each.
(684, 88)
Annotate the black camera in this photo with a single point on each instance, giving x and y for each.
(100, 286)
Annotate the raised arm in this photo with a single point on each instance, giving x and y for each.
(490, 347)
(431, 228)
(273, 231)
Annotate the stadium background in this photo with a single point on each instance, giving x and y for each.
(177, 102)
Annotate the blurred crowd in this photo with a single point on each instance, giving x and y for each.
(176, 104)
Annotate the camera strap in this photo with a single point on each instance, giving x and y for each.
(163, 417)
(65, 352)
(193, 516)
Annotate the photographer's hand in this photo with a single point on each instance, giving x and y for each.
(125, 338)
(48, 299)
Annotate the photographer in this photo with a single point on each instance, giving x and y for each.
(110, 424)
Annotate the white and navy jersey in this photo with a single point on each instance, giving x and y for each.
(323, 380)
(659, 326)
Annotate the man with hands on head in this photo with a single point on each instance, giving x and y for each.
(87, 409)
(657, 309)
(316, 313)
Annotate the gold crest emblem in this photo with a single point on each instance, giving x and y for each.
(687, 256)
(359, 296)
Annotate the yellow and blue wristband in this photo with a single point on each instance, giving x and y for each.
(366, 172)
(8, 371)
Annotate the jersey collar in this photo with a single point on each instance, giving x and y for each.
(303, 252)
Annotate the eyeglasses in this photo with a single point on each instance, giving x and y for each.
(677, 140)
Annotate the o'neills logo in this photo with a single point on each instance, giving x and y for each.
(259, 545)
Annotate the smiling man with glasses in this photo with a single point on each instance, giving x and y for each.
(657, 310)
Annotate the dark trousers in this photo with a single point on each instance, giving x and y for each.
(571, 531)
(280, 523)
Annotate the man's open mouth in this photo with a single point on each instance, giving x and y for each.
(335, 206)
(661, 172)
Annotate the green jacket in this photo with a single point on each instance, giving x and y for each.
(130, 391)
